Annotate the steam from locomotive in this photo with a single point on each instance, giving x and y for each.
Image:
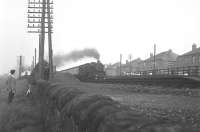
(76, 55)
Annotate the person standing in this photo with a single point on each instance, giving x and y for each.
(11, 82)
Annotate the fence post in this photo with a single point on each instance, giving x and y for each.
(177, 71)
(167, 71)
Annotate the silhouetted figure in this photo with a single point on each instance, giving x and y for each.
(11, 82)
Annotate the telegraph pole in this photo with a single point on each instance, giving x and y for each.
(39, 19)
(120, 65)
(154, 59)
(50, 43)
(40, 56)
(41, 64)
(130, 66)
(20, 66)
(33, 62)
(35, 57)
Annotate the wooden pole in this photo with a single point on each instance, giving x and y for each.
(50, 43)
(154, 60)
(120, 65)
(20, 66)
(38, 13)
(33, 62)
(35, 57)
(130, 66)
(42, 41)
(40, 57)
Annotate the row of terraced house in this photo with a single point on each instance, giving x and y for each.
(163, 60)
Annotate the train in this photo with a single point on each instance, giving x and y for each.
(88, 72)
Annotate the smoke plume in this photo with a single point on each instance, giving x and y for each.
(76, 55)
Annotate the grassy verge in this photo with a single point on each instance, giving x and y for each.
(22, 115)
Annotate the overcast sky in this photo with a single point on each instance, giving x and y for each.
(110, 26)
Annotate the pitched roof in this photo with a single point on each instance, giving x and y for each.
(133, 63)
(195, 51)
(117, 64)
(166, 55)
(136, 60)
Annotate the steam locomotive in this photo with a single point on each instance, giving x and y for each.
(88, 72)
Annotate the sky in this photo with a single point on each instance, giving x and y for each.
(113, 27)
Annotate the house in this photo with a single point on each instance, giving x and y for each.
(126, 69)
(191, 58)
(112, 69)
(189, 63)
(162, 60)
(130, 67)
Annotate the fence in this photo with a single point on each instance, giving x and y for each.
(178, 71)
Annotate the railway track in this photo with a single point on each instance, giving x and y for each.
(173, 81)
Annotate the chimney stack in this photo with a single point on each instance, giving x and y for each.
(151, 55)
(194, 46)
(127, 62)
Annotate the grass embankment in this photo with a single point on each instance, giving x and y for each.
(151, 106)
(22, 115)
(178, 105)
(150, 89)
(172, 104)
